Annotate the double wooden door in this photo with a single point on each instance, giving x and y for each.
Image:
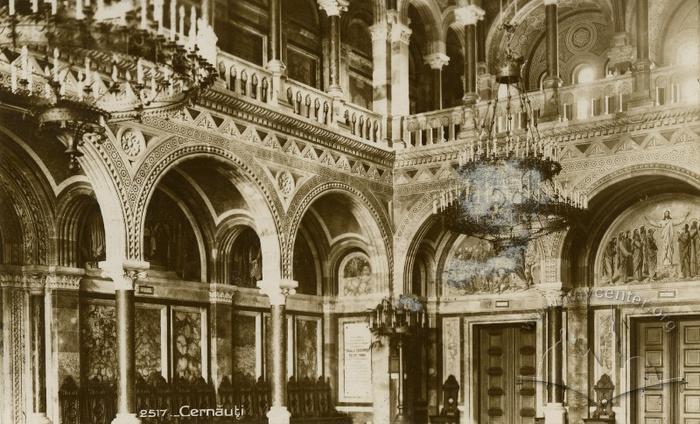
(506, 357)
(666, 382)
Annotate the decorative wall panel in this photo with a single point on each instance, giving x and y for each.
(244, 349)
(355, 277)
(98, 339)
(187, 343)
(307, 343)
(148, 341)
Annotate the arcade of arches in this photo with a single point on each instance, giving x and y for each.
(235, 246)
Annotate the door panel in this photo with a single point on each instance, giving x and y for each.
(654, 366)
(507, 356)
(689, 393)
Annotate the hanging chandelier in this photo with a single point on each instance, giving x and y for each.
(506, 192)
(74, 66)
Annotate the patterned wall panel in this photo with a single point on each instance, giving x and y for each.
(98, 335)
(187, 343)
(307, 342)
(244, 349)
(148, 341)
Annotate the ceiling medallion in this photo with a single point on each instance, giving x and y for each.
(506, 192)
(74, 66)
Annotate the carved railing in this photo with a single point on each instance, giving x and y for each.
(244, 78)
(440, 126)
(310, 402)
(607, 96)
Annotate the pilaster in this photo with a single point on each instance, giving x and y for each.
(221, 330)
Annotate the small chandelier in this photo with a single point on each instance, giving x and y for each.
(406, 317)
(74, 66)
(506, 192)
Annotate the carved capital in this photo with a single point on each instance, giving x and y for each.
(63, 281)
(469, 15)
(278, 290)
(400, 33)
(379, 31)
(551, 2)
(333, 7)
(124, 274)
(436, 60)
(554, 293)
(222, 293)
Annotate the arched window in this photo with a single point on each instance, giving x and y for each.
(584, 73)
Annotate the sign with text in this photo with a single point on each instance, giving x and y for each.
(357, 361)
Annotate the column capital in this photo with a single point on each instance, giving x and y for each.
(277, 290)
(551, 2)
(333, 7)
(400, 33)
(436, 60)
(379, 31)
(222, 293)
(554, 293)
(469, 15)
(124, 273)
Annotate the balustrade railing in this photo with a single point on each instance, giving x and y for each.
(440, 126)
(309, 401)
(245, 79)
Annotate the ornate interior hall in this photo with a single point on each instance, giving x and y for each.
(243, 211)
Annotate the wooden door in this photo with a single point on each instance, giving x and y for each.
(506, 356)
(653, 366)
(689, 369)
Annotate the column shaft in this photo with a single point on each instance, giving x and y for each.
(279, 355)
(275, 41)
(642, 29)
(470, 94)
(552, 35)
(334, 86)
(126, 399)
(39, 355)
(555, 358)
(437, 89)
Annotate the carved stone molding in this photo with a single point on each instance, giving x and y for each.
(222, 293)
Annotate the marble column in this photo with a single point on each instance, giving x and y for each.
(467, 17)
(277, 292)
(221, 331)
(381, 75)
(554, 411)
(333, 9)
(124, 278)
(38, 341)
(642, 65)
(437, 61)
(275, 63)
(552, 81)
(400, 36)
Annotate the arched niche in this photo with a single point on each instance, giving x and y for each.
(655, 239)
(419, 74)
(81, 230)
(243, 259)
(453, 72)
(307, 270)
(679, 43)
(169, 239)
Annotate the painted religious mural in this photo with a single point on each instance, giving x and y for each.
(355, 276)
(655, 240)
(475, 267)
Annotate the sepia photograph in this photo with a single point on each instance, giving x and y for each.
(350, 211)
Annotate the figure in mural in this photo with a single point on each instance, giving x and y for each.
(667, 237)
(255, 259)
(694, 253)
(684, 251)
(609, 257)
(624, 256)
(651, 253)
(637, 255)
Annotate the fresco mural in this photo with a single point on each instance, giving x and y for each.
(355, 275)
(475, 267)
(655, 240)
